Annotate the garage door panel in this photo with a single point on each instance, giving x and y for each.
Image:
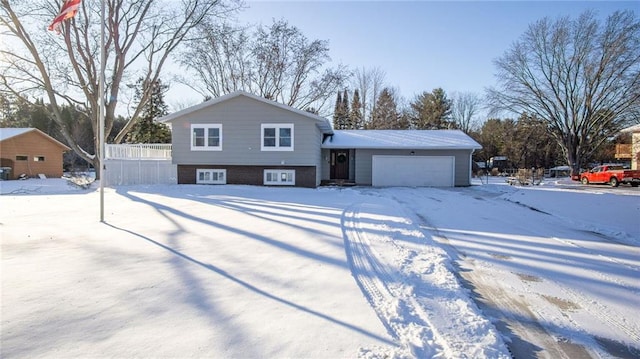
(413, 171)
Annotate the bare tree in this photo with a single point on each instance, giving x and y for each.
(465, 107)
(581, 77)
(221, 60)
(369, 83)
(276, 62)
(140, 36)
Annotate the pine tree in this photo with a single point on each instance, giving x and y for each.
(345, 111)
(355, 116)
(147, 130)
(385, 116)
(337, 113)
(431, 111)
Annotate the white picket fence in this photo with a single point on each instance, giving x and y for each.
(132, 164)
(138, 151)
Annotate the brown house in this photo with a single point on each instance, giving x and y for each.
(31, 152)
(631, 151)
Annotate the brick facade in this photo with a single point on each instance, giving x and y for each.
(249, 175)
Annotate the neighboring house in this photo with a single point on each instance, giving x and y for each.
(31, 152)
(634, 147)
(241, 138)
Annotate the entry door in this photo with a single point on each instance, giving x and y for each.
(339, 164)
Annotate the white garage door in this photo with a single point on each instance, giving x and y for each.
(413, 171)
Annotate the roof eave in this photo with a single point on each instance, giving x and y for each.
(372, 147)
(31, 129)
(323, 123)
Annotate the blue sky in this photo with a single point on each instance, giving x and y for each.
(421, 45)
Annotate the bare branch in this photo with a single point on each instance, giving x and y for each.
(570, 73)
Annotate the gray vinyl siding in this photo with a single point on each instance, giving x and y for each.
(325, 169)
(241, 119)
(363, 163)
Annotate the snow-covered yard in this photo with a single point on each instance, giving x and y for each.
(240, 271)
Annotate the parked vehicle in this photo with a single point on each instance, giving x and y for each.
(612, 174)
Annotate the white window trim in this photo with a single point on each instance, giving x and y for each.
(278, 176)
(206, 137)
(277, 126)
(211, 170)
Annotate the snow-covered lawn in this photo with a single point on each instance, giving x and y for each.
(255, 272)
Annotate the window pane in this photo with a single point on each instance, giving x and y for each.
(285, 141)
(198, 137)
(285, 132)
(269, 137)
(285, 137)
(214, 137)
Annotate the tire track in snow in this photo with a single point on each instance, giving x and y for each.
(372, 276)
(604, 313)
(420, 302)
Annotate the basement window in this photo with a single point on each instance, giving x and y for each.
(22, 158)
(38, 159)
(280, 177)
(211, 176)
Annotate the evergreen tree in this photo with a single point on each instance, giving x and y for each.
(385, 116)
(431, 111)
(146, 129)
(337, 113)
(345, 111)
(355, 116)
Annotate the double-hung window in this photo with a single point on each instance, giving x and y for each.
(276, 137)
(206, 137)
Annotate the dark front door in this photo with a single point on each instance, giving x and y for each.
(339, 164)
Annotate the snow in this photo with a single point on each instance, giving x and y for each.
(242, 271)
(405, 139)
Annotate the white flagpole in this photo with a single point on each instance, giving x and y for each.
(101, 130)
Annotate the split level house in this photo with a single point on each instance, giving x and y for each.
(241, 138)
(30, 152)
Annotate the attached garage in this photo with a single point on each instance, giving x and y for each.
(402, 158)
(413, 171)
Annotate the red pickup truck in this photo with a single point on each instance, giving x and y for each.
(612, 174)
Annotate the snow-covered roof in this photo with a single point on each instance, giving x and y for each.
(401, 139)
(322, 122)
(7, 133)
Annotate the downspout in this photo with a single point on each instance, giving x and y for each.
(471, 166)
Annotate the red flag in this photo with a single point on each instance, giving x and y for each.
(69, 10)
